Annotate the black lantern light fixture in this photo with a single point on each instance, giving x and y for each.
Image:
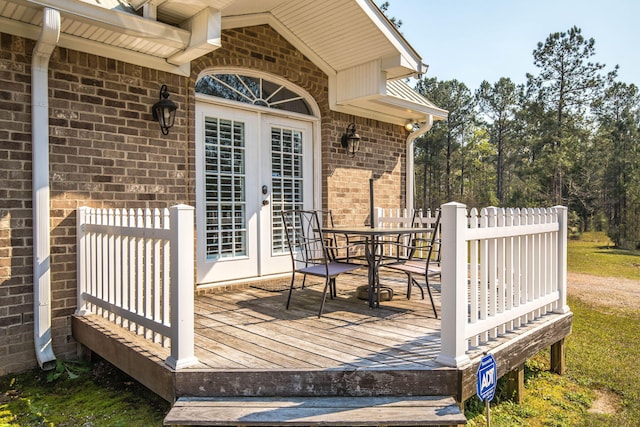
(164, 111)
(351, 140)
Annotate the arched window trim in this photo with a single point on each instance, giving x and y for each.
(282, 82)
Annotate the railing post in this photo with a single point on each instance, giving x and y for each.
(454, 286)
(81, 260)
(562, 259)
(182, 288)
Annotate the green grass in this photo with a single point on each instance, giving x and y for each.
(595, 254)
(601, 355)
(78, 395)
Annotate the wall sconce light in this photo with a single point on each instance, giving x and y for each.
(164, 111)
(410, 126)
(351, 140)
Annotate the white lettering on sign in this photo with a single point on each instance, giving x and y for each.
(487, 379)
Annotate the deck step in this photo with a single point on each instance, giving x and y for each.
(316, 411)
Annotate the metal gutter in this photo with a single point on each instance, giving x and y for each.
(423, 128)
(40, 169)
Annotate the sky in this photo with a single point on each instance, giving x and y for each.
(476, 40)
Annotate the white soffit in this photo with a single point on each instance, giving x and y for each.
(343, 34)
(398, 104)
(114, 33)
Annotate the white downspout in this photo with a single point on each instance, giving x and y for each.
(40, 164)
(423, 128)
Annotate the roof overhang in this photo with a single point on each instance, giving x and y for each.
(168, 34)
(396, 103)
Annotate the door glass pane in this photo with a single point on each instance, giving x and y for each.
(286, 180)
(225, 190)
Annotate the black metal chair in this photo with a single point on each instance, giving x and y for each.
(422, 257)
(312, 253)
(343, 247)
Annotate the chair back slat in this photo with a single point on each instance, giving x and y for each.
(304, 237)
(310, 252)
(426, 245)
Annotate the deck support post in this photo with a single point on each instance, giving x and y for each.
(558, 365)
(182, 288)
(454, 286)
(515, 384)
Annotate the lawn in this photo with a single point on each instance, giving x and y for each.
(78, 394)
(595, 254)
(601, 355)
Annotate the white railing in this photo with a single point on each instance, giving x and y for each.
(394, 217)
(135, 268)
(405, 218)
(501, 268)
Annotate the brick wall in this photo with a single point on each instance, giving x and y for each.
(106, 151)
(345, 182)
(16, 299)
(346, 179)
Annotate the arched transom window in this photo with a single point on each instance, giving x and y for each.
(253, 90)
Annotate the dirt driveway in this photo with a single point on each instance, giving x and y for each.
(612, 292)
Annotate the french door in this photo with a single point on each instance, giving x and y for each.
(250, 167)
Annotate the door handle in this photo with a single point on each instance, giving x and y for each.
(265, 202)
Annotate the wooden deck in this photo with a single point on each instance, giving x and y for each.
(249, 345)
(250, 329)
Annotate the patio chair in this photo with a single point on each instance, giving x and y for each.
(343, 246)
(311, 253)
(422, 257)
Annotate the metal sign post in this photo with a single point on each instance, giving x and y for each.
(487, 381)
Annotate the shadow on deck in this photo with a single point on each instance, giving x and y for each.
(249, 345)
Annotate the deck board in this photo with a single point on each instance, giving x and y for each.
(339, 411)
(249, 327)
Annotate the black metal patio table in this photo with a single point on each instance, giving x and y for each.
(374, 249)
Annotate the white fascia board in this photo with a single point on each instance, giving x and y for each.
(408, 55)
(398, 67)
(205, 28)
(369, 113)
(30, 31)
(437, 113)
(389, 110)
(122, 22)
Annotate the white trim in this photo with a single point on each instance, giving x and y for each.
(423, 128)
(267, 76)
(409, 58)
(41, 191)
(122, 22)
(313, 120)
(88, 46)
(205, 28)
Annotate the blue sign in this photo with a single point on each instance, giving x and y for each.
(487, 378)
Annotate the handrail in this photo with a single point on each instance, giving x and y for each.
(501, 268)
(135, 268)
